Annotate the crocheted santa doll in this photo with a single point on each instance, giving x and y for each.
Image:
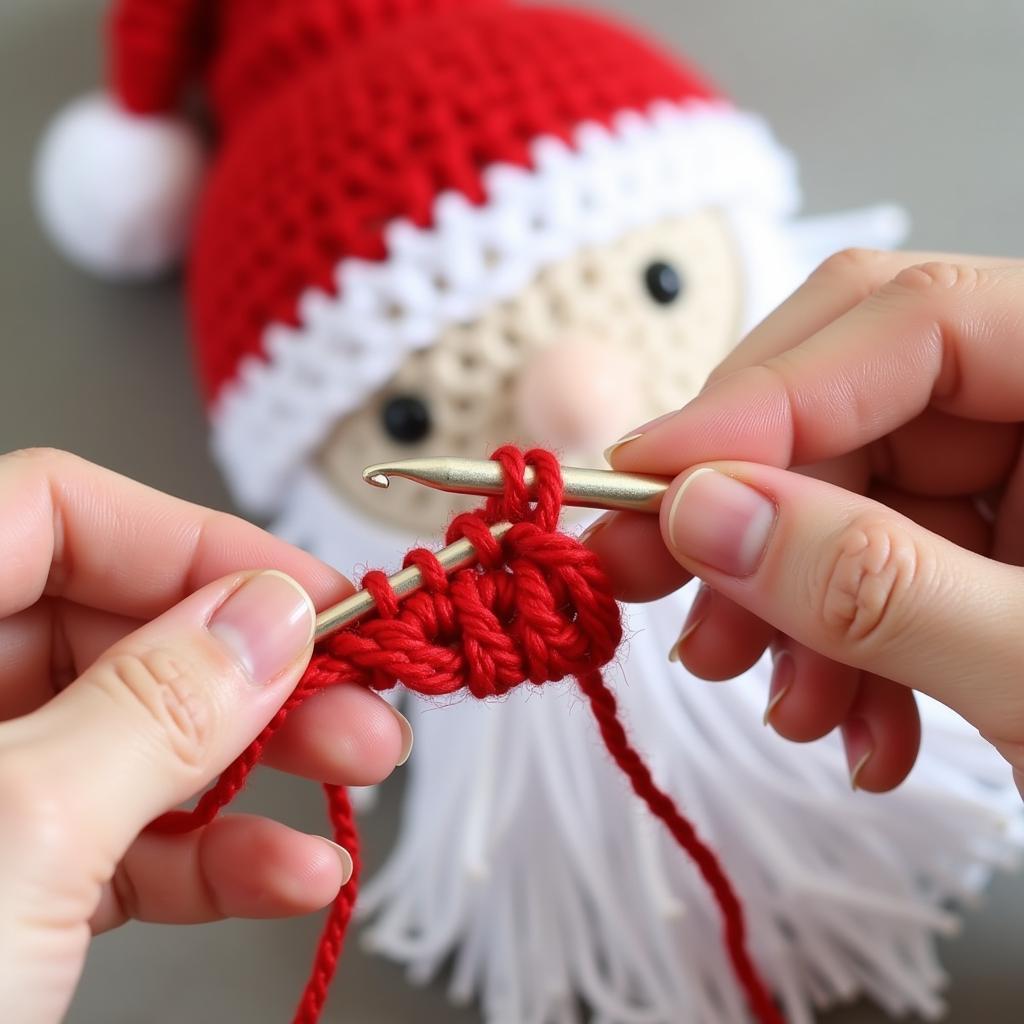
(433, 226)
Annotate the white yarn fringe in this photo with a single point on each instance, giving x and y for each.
(527, 862)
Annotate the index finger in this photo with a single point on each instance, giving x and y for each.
(75, 530)
(838, 284)
(941, 334)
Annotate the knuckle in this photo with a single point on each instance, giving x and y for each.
(166, 689)
(856, 267)
(936, 277)
(930, 299)
(862, 586)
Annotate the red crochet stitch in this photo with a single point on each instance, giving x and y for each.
(537, 608)
(337, 118)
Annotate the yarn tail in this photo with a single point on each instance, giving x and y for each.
(605, 709)
(332, 939)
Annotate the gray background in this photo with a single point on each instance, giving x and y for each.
(916, 101)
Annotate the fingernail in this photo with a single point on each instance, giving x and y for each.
(638, 432)
(343, 855)
(407, 737)
(859, 747)
(266, 624)
(698, 613)
(783, 674)
(721, 522)
(621, 443)
(593, 530)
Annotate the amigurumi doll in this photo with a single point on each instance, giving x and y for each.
(434, 226)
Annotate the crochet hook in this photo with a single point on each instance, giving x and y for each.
(583, 488)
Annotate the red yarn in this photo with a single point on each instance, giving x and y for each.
(338, 118)
(155, 47)
(328, 140)
(537, 608)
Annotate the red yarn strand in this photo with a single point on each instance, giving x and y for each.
(332, 938)
(605, 709)
(536, 608)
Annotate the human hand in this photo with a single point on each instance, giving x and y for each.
(141, 650)
(868, 526)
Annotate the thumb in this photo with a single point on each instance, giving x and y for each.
(857, 582)
(168, 707)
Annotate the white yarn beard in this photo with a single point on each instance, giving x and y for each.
(525, 857)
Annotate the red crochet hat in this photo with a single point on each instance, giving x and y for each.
(382, 169)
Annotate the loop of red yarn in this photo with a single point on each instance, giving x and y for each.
(536, 608)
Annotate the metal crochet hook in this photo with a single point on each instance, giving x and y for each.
(583, 488)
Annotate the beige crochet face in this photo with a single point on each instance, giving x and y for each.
(594, 345)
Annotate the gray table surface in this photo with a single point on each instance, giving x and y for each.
(916, 101)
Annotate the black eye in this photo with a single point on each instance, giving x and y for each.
(663, 282)
(406, 419)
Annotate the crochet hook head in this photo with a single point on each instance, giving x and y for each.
(583, 488)
(459, 555)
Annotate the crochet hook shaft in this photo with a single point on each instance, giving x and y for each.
(583, 488)
(459, 555)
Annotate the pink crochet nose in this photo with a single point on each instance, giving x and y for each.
(579, 395)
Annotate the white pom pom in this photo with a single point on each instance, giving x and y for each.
(115, 190)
